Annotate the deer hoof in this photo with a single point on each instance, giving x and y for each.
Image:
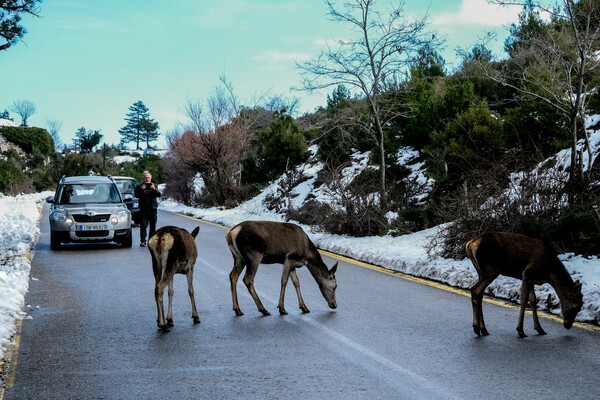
(484, 332)
(196, 319)
(305, 310)
(238, 312)
(282, 311)
(477, 331)
(265, 313)
(164, 328)
(170, 322)
(521, 333)
(540, 331)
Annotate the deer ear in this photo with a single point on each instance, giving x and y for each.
(195, 232)
(333, 269)
(577, 285)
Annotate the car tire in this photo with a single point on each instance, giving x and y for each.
(128, 240)
(54, 241)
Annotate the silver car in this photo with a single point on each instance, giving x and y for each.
(89, 209)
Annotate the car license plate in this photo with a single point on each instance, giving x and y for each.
(91, 228)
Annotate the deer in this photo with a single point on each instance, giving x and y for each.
(255, 242)
(525, 258)
(173, 252)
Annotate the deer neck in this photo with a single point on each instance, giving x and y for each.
(317, 268)
(562, 283)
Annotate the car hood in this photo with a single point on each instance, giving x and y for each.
(92, 208)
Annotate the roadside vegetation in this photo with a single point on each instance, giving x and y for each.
(469, 131)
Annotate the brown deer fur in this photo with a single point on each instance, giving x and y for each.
(525, 258)
(173, 252)
(255, 242)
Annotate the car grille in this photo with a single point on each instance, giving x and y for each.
(91, 233)
(93, 218)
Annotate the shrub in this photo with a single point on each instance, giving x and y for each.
(29, 138)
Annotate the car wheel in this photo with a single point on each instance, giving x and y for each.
(54, 241)
(128, 240)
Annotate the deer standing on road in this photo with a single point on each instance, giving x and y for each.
(173, 252)
(255, 242)
(525, 258)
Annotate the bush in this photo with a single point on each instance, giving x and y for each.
(277, 148)
(29, 138)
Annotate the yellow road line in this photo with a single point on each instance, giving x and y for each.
(451, 289)
(427, 282)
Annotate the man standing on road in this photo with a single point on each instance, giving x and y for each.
(147, 192)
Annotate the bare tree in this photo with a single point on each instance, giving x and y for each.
(556, 65)
(25, 108)
(54, 127)
(385, 47)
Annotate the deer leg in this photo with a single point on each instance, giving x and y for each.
(238, 267)
(170, 311)
(536, 321)
(477, 292)
(284, 279)
(249, 282)
(190, 279)
(525, 289)
(296, 283)
(159, 291)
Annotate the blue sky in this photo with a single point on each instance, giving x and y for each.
(84, 62)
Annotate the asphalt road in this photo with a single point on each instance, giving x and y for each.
(93, 335)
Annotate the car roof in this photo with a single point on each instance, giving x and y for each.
(123, 177)
(86, 179)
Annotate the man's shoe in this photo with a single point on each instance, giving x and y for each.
(143, 243)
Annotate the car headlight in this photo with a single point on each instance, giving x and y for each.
(59, 216)
(136, 205)
(122, 216)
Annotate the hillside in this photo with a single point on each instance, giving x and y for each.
(409, 253)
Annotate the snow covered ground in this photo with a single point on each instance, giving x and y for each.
(19, 229)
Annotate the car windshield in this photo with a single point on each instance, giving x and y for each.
(126, 186)
(81, 193)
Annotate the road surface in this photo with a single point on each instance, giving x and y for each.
(93, 335)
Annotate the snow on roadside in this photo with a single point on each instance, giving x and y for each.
(19, 229)
(408, 254)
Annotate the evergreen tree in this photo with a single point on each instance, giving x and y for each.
(86, 140)
(139, 126)
(149, 130)
(5, 115)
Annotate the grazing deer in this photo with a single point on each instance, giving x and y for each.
(525, 258)
(256, 242)
(173, 252)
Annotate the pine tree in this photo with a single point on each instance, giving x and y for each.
(149, 130)
(86, 140)
(139, 126)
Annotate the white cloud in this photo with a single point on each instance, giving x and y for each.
(478, 12)
(274, 59)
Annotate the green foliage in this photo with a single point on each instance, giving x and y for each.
(535, 128)
(87, 140)
(576, 229)
(5, 115)
(473, 141)
(140, 127)
(429, 64)
(9, 174)
(78, 164)
(10, 17)
(29, 138)
(279, 147)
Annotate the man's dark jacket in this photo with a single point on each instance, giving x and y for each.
(147, 197)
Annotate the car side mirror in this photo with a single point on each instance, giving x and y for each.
(127, 197)
(50, 199)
